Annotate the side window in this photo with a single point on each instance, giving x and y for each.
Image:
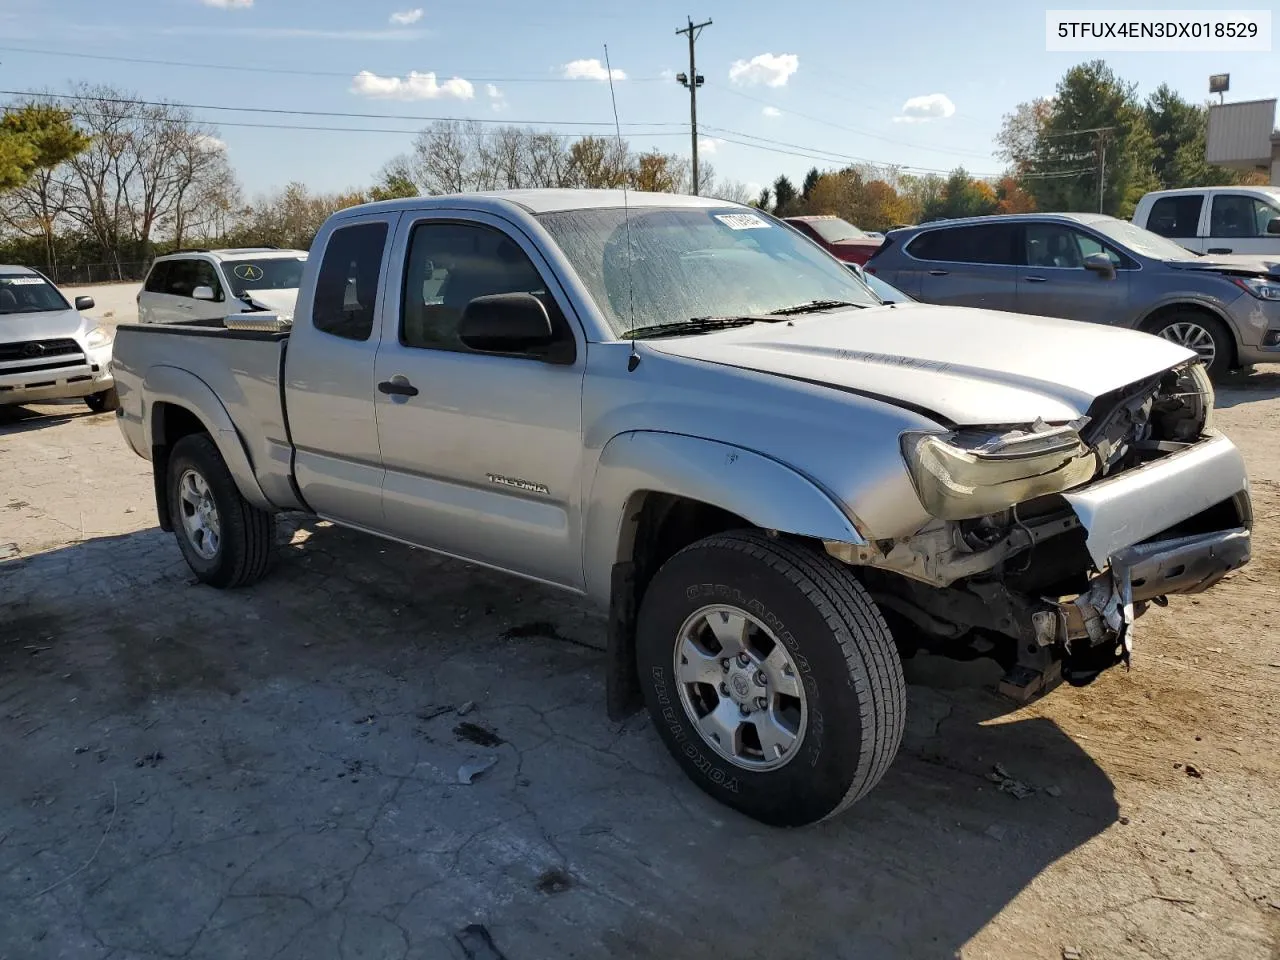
(1089, 246)
(346, 298)
(207, 276)
(1176, 216)
(449, 265)
(986, 244)
(158, 278)
(1232, 215)
(1052, 245)
(182, 277)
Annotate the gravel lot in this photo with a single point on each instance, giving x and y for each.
(274, 772)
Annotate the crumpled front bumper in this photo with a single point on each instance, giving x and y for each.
(1125, 517)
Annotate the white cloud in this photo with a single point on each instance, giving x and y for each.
(416, 86)
(766, 68)
(211, 143)
(403, 18)
(771, 112)
(591, 69)
(497, 99)
(667, 74)
(229, 4)
(933, 106)
(708, 145)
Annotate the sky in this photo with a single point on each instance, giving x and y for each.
(918, 83)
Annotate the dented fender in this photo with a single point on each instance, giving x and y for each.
(761, 490)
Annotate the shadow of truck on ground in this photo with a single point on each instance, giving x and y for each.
(274, 772)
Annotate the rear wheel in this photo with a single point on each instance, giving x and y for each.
(226, 541)
(771, 676)
(103, 401)
(1207, 336)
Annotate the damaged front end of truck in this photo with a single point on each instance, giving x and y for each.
(1049, 541)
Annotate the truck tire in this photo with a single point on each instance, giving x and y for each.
(226, 541)
(104, 401)
(1206, 335)
(771, 676)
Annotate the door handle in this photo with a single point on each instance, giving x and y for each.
(1218, 250)
(1035, 279)
(938, 273)
(398, 387)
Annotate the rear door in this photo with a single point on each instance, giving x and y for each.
(482, 451)
(153, 300)
(329, 381)
(969, 266)
(169, 302)
(1238, 225)
(1178, 217)
(1054, 282)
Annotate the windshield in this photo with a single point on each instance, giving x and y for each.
(25, 293)
(833, 230)
(276, 273)
(1141, 241)
(686, 263)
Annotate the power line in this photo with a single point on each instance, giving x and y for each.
(863, 133)
(325, 113)
(239, 68)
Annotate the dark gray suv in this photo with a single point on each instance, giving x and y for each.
(1084, 266)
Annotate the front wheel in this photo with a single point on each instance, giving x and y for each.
(226, 541)
(1206, 335)
(771, 676)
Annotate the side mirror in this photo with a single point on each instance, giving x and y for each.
(509, 323)
(1100, 264)
(86, 303)
(202, 293)
(1273, 228)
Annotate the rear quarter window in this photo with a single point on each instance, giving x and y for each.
(346, 297)
(158, 278)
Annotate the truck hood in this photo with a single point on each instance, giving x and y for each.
(961, 366)
(279, 302)
(45, 325)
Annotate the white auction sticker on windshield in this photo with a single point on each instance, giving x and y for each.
(22, 281)
(742, 221)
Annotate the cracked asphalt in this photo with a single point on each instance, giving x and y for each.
(274, 773)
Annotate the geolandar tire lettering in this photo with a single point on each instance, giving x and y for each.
(226, 541)
(770, 676)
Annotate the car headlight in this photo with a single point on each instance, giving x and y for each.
(972, 473)
(98, 337)
(1260, 287)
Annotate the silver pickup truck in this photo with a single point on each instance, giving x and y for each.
(777, 485)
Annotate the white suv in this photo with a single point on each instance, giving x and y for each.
(195, 285)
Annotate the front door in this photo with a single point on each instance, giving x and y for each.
(1054, 282)
(482, 451)
(1238, 225)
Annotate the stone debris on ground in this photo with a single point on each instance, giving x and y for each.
(1006, 783)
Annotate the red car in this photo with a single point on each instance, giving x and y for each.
(840, 238)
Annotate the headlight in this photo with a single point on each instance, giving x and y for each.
(98, 337)
(1260, 287)
(972, 473)
(1203, 386)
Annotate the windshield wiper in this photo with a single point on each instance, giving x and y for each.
(813, 306)
(692, 325)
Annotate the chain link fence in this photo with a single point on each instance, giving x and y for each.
(91, 273)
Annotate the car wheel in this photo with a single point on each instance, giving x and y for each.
(103, 401)
(771, 676)
(227, 541)
(1206, 335)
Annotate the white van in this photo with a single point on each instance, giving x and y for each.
(196, 285)
(1215, 220)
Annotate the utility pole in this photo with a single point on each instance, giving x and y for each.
(1102, 164)
(692, 80)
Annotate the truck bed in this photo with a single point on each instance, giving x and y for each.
(236, 373)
